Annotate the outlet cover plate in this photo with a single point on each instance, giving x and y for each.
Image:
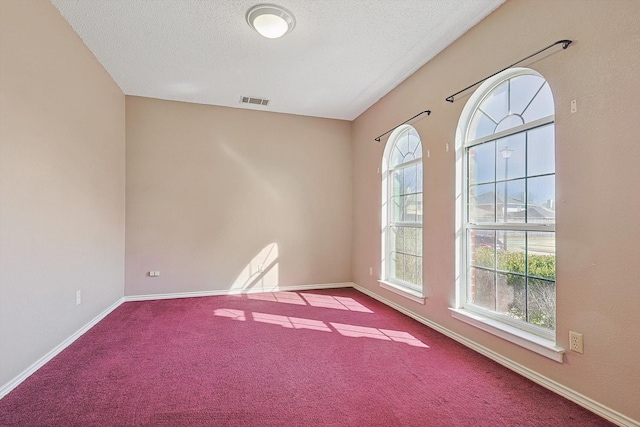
(575, 342)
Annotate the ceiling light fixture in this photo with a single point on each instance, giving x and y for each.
(270, 21)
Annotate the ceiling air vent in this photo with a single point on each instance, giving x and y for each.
(252, 100)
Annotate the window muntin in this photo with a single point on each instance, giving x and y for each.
(404, 178)
(509, 209)
(517, 101)
(406, 148)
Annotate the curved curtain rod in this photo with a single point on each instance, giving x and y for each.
(565, 44)
(428, 112)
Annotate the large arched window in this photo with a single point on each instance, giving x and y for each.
(402, 212)
(506, 141)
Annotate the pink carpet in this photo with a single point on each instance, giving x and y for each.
(321, 358)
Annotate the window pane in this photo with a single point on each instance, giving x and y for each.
(496, 105)
(402, 145)
(541, 297)
(513, 211)
(481, 125)
(481, 163)
(482, 248)
(420, 177)
(396, 209)
(523, 88)
(511, 246)
(541, 256)
(419, 242)
(409, 208)
(511, 296)
(511, 157)
(413, 143)
(397, 265)
(396, 157)
(419, 207)
(482, 203)
(410, 269)
(541, 157)
(541, 199)
(397, 179)
(398, 235)
(418, 153)
(419, 272)
(482, 288)
(509, 122)
(409, 157)
(541, 106)
(402, 208)
(410, 180)
(410, 241)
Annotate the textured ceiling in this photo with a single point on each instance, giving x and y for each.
(342, 56)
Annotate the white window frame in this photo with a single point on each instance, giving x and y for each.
(530, 336)
(414, 292)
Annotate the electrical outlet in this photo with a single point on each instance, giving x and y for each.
(154, 273)
(575, 342)
(574, 106)
(78, 297)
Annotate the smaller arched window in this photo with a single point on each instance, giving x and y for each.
(402, 211)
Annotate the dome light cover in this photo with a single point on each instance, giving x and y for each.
(270, 21)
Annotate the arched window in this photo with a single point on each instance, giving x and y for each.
(507, 243)
(402, 212)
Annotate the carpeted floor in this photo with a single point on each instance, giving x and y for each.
(321, 358)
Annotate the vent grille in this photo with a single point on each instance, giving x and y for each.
(253, 100)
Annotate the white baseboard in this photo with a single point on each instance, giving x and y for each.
(6, 388)
(566, 392)
(151, 297)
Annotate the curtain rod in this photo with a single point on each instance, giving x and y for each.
(565, 44)
(397, 126)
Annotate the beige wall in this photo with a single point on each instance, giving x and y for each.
(214, 192)
(61, 184)
(598, 153)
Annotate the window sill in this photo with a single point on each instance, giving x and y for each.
(400, 290)
(524, 339)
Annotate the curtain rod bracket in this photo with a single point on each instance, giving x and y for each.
(427, 112)
(565, 44)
